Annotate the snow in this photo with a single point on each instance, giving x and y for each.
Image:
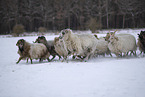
(99, 77)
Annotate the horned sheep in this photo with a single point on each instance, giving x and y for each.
(122, 44)
(31, 51)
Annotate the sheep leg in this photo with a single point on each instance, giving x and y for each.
(110, 54)
(103, 55)
(20, 58)
(74, 56)
(86, 58)
(134, 53)
(48, 59)
(31, 60)
(118, 55)
(52, 58)
(140, 52)
(27, 60)
(64, 58)
(40, 60)
(59, 57)
(89, 55)
(78, 56)
(125, 54)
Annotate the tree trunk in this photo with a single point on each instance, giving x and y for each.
(100, 21)
(68, 20)
(107, 14)
(133, 20)
(123, 21)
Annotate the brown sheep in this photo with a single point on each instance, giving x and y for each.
(33, 51)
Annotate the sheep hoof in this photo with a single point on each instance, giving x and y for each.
(84, 60)
(48, 59)
(73, 57)
(62, 60)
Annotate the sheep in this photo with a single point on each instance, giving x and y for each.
(122, 44)
(141, 42)
(108, 35)
(60, 48)
(31, 50)
(80, 45)
(118, 35)
(49, 45)
(102, 47)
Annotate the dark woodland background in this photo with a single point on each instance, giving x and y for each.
(75, 14)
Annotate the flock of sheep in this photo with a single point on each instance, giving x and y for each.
(81, 46)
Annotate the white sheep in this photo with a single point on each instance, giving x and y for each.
(102, 47)
(60, 48)
(31, 50)
(83, 45)
(124, 43)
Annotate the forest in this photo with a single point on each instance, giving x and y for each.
(75, 14)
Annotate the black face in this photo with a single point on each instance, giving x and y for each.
(63, 33)
(40, 39)
(21, 44)
(142, 35)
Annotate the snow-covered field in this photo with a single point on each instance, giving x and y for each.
(99, 77)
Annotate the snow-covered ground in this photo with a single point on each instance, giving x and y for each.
(99, 77)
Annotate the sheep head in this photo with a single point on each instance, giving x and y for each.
(142, 35)
(112, 38)
(108, 35)
(65, 32)
(56, 39)
(41, 39)
(21, 44)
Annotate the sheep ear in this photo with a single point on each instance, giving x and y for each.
(63, 33)
(96, 36)
(22, 40)
(115, 31)
(68, 31)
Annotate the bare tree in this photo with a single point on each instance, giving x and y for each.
(75, 14)
(129, 7)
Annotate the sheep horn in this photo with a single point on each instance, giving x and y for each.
(110, 34)
(115, 31)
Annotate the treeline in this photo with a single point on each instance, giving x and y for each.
(74, 14)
